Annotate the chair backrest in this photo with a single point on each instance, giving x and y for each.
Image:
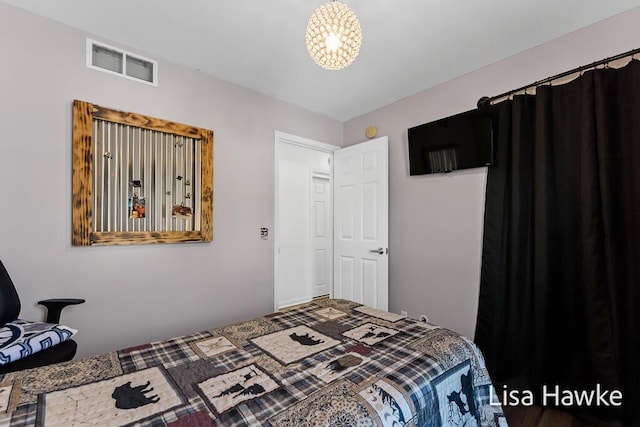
(9, 300)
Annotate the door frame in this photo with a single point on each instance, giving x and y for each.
(310, 144)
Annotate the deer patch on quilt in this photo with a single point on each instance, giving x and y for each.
(228, 390)
(370, 333)
(122, 400)
(293, 344)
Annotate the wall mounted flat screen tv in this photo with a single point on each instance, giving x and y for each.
(462, 141)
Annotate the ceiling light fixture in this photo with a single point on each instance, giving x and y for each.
(333, 35)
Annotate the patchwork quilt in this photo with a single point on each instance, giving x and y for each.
(330, 363)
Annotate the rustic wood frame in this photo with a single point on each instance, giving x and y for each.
(82, 179)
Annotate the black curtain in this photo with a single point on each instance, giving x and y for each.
(560, 281)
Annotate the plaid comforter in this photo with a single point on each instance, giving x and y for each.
(329, 362)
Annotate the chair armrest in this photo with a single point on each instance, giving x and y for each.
(55, 306)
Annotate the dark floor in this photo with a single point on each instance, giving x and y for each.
(534, 416)
(538, 416)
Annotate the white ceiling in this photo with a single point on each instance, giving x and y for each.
(408, 45)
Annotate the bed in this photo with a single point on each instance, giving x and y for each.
(328, 362)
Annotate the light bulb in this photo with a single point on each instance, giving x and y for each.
(332, 42)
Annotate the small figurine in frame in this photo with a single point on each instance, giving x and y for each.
(136, 206)
(181, 211)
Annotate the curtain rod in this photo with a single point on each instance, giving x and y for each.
(485, 100)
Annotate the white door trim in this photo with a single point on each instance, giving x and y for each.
(285, 138)
(304, 142)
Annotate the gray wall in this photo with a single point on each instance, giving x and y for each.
(134, 294)
(436, 221)
(141, 293)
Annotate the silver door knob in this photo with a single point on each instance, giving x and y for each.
(378, 251)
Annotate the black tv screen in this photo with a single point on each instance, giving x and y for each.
(462, 141)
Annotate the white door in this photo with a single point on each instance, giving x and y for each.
(321, 233)
(361, 229)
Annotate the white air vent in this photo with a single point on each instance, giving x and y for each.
(116, 61)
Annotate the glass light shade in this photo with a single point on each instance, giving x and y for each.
(333, 36)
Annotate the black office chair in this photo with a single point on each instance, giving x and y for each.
(9, 311)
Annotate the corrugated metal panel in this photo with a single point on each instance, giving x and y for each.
(141, 175)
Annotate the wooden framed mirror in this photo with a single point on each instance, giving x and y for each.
(139, 179)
